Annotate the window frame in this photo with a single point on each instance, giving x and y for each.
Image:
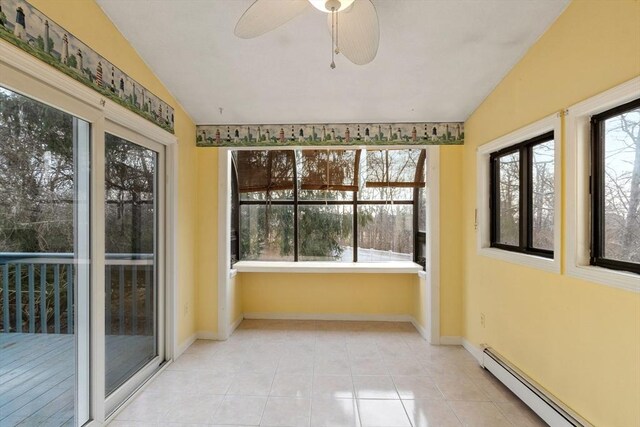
(577, 176)
(525, 199)
(482, 223)
(355, 202)
(597, 190)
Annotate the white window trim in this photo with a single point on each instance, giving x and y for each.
(483, 181)
(27, 75)
(578, 203)
(388, 267)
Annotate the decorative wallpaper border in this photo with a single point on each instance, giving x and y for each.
(29, 29)
(438, 133)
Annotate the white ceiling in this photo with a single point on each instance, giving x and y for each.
(437, 61)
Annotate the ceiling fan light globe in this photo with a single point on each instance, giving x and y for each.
(326, 5)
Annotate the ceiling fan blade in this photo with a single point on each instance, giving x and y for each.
(358, 32)
(266, 15)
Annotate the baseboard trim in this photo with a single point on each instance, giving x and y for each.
(474, 350)
(184, 346)
(235, 324)
(450, 341)
(421, 330)
(331, 316)
(206, 335)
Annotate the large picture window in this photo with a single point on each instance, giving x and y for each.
(343, 205)
(615, 188)
(522, 196)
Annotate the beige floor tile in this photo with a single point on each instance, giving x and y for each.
(295, 364)
(430, 413)
(479, 414)
(334, 413)
(416, 387)
(291, 385)
(286, 412)
(195, 409)
(203, 347)
(147, 407)
(251, 385)
(460, 388)
(520, 414)
(240, 410)
(382, 413)
(118, 423)
(333, 386)
(325, 365)
(375, 387)
(368, 366)
(404, 366)
(284, 373)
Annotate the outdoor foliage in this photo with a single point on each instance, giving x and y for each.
(38, 184)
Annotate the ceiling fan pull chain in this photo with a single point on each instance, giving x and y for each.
(333, 36)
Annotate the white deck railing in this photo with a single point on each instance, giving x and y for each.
(37, 293)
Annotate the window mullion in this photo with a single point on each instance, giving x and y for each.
(494, 216)
(596, 182)
(355, 226)
(525, 204)
(295, 209)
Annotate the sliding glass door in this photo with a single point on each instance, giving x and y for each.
(82, 262)
(44, 264)
(133, 259)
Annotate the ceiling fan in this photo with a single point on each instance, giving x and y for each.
(355, 32)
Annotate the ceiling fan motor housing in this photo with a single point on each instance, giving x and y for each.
(329, 6)
(332, 5)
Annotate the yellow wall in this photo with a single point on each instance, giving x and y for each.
(420, 308)
(207, 242)
(365, 294)
(86, 20)
(580, 340)
(451, 275)
(235, 300)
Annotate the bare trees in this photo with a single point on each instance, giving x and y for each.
(622, 187)
(36, 176)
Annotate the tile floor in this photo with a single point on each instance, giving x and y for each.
(313, 373)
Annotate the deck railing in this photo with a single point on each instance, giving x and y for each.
(37, 293)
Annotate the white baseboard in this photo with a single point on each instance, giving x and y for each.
(331, 316)
(421, 330)
(474, 350)
(185, 345)
(235, 324)
(450, 341)
(206, 335)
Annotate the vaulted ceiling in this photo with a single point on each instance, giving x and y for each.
(437, 60)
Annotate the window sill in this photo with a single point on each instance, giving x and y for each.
(551, 265)
(391, 267)
(604, 276)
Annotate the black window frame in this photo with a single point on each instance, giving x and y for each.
(234, 232)
(596, 187)
(525, 178)
(418, 236)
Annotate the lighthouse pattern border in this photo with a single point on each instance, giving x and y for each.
(433, 133)
(26, 27)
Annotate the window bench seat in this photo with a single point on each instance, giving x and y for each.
(390, 267)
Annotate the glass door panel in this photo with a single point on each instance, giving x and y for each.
(44, 264)
(132, 219)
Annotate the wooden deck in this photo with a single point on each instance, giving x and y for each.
(37, 375)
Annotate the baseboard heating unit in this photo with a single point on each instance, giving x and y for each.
(552, 411)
